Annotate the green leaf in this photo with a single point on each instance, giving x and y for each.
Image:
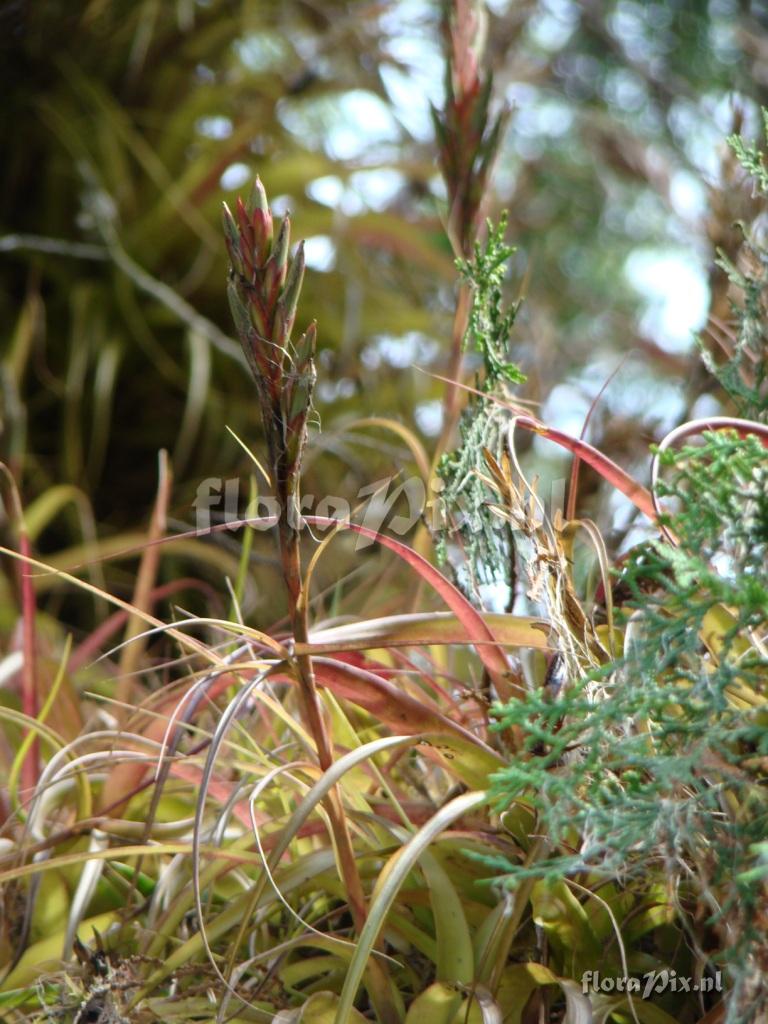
(437, 1004)
(320, 1008)
(387, 887)
(455, 956)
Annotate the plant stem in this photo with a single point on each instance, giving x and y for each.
(30, 768)
(453, 392)
(312, 708)
(378, 981)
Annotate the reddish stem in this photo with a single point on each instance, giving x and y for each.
(29, 696)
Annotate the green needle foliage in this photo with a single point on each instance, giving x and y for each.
(482, 426)
(745, 373)
(659, 757)
(751, 158)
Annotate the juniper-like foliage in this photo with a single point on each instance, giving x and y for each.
(662, 756)
(745, 374)
(487, 544)
(751, 158)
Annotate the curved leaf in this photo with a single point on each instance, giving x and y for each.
(425, 629)
(388, 886)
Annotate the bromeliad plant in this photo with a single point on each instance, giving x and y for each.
(264, 288)
(468, 134)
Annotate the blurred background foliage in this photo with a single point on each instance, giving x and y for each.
(125, 124)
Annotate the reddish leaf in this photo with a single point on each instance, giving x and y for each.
(607, 468)
(477, 630)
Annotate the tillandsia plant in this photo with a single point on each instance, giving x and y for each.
(467, 134)
(468, 137)
(264, 288)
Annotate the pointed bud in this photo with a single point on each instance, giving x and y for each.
(243, 326)
(258, 317)
(240, 312)
(261, 218)
(282, 245)
(245, 226)
(306, 346)
(232, 239)
(245, 229)
(437, 124)
(257, 200)
(289, 297)
(297, 401)
(300, 384)
(479, 118)
(300, 399)
(277, 264)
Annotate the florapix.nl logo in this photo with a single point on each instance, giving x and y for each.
(649, 984)
(392, 504)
